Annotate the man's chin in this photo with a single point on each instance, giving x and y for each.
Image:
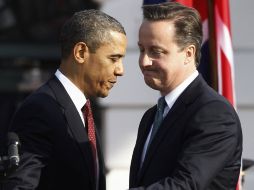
(151, 84)
(103, 94)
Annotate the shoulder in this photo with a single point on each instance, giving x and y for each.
(39, 106)
(203, 94)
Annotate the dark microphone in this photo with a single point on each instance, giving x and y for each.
(13, 154)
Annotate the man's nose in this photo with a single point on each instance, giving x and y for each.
(119, 70)
(145, 60)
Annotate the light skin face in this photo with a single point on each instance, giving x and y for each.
(163, 64)
(98, 72)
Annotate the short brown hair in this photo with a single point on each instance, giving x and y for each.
(187, 22)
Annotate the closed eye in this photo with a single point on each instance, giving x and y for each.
(155, 52)
(115, 58)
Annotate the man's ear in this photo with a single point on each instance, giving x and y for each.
(80, 52)
(190, 52)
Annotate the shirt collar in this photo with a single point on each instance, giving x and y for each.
(173, 95)
(76, 95)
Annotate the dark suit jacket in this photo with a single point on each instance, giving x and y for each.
(55, 151)
(198, 145)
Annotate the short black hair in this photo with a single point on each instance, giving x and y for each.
(89, 26)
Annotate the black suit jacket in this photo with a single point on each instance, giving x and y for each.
(198, 145)
(55, 151)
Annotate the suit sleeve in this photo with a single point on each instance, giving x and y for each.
(33, 123)
(209, 145)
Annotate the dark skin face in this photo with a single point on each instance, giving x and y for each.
(104, 66)
(96, 73)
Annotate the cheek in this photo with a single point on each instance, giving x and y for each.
(105, 72)
(165, 72)
(104, 75)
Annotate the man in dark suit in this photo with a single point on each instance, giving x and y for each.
(57, 152)
(192, 140)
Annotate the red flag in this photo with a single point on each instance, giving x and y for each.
(224, 50)
(185, 2)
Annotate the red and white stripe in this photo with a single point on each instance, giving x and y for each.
(224, 51)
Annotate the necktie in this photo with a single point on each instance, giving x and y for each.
(156, 124)
(89, 122)
(158, 117)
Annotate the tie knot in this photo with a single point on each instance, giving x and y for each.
(87, 107)
(161, 103)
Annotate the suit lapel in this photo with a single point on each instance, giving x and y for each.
(74, 122)
(164, 129)
(179, 107)
(100, 157)
(144, 129)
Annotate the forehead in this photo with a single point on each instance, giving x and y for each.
(161, 30)
(117, 38)
(116, 44)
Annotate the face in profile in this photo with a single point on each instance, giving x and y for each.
(161, 60)
(105, 65)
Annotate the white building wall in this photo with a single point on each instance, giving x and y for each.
(129, 99)
(242, 17)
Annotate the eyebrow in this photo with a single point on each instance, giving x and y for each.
(152, 46)
(117, 55)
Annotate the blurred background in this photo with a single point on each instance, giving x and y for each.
(29, 54)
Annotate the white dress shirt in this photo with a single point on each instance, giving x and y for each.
(76, 95)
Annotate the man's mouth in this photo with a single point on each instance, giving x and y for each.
(112, 81)
(148, 72)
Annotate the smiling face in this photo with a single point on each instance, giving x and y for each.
(163, 64)
(104, 66)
